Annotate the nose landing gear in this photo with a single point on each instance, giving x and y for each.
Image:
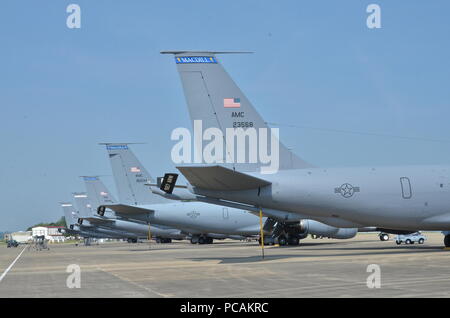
(201, 240)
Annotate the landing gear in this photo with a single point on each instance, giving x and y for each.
(194, 240)
(282, 241)
(291, 240)
(201, 240)
(205, 240)
(384, 237)
(163, 240)
(447, 240)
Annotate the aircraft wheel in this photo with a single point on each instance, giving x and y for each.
(194, 240)
(398, 242)
(384, 237)
(201, 240)
(421, 241)
(408, 241)
(447, 241)
(282, 240)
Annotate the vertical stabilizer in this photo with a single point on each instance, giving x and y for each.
(97, 192)
(70, 214)
(131, 176)
(214, 99)
(82, 203)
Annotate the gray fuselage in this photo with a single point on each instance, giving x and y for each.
(202, 218)
(404, 197)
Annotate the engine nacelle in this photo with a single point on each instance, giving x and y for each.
(393, 231)
(320, 229)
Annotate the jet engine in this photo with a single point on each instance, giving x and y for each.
(393, 231)
(320, 229)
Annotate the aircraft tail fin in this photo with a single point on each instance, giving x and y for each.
(214, 98)
(97, 192)
(130, 176)
(82, 203)
(70, 214)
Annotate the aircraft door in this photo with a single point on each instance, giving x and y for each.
(406, 187)
(225, 213)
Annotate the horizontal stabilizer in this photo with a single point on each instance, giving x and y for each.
(94, 220)
(127, 209)
(153, 185)
(219, 178)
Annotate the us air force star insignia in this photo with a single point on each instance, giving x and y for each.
(346, 190)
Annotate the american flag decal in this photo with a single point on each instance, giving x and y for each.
(135, 169)
(231, 102)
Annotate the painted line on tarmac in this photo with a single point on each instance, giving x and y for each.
(12, 264)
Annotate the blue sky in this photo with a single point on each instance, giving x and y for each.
(316, 64)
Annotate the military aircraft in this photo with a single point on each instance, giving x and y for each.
(142, 214)
(283, 185)
(87, 232)
(134, 230)
(202, 221)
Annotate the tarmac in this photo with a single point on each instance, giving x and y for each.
(316, 268)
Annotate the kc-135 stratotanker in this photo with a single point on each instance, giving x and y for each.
(396, 199)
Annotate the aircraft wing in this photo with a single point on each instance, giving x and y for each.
(126, 209)
(220, 178)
